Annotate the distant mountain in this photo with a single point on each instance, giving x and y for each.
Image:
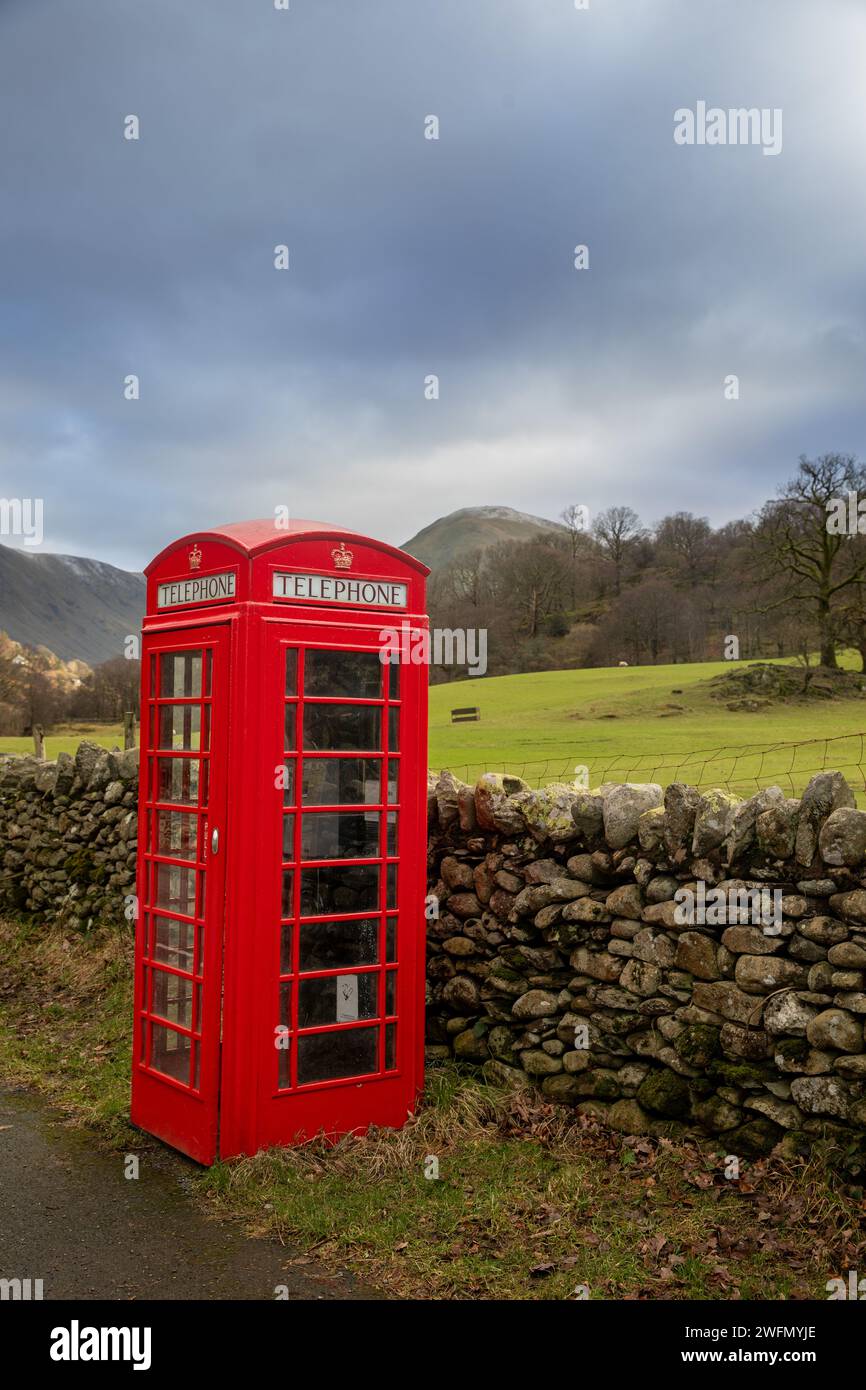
(79, 609)
(475, 528)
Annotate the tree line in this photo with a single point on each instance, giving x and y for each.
(787, 581)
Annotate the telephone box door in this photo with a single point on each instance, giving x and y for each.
(342, 866)
(179, 935)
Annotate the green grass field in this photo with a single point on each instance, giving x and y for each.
(636, 723)
(627, 724)
(67, 738)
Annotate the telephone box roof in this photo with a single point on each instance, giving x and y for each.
(254, 537)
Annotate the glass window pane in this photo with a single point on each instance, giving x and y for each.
(392, 833)
(288, 836)
(391, 900)
(180, 727)
(338, 889)
(391, 992)
(282, 1040)
(290, 723)
(286, 948)
(390, 1046)
(173, 942)
(391, 938)
(286, 906)
(340, 835)
(170, 1053)
(176, 834)
(289, 783)
(199, 955)
(337, 999)
(177, 780)
(394, 680)
(291, 671)
(332, 945)
(180, 675)
(393, 779)
(284, 1066)
(172, 998)
(342, 727)
(326, 1056)
(286, 1005)
(341, 781)
(394, 729)
(175, 889)
(357, 675)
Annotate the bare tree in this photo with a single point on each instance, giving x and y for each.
(616, 530)
(574, 518)
(683, 540)
(817, 568)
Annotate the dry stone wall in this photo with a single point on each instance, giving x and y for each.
(68, 835)
(558, 949)
(556, 945)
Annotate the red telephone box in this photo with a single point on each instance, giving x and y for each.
(279, 965)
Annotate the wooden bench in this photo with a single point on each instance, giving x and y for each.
(464, 716)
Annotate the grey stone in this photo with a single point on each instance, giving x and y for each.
(826, 793)
(843, 837)
(536, 1003)
(776, 829)
(762, 974)
(496, 802)
(622, 807)
(836, 1028)
(713, 820)
(822, 1095)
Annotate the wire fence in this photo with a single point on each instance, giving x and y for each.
(745, 767)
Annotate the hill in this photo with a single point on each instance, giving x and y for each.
(474, 528)
(79, 609)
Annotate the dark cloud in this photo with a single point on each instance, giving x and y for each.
(411, 257)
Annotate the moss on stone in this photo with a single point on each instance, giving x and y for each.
(698, 1044)
(664, 1093)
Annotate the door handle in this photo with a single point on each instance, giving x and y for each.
(214, 841)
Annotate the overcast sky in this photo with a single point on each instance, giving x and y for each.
(408, 257)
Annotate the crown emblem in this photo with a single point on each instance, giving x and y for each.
(342, 557)
(194, 558)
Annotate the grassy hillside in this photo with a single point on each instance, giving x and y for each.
(630, 724)
(79, 609)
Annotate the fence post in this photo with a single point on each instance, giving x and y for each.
(129, 729)
(39, 740)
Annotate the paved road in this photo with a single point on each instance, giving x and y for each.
(69, 1217)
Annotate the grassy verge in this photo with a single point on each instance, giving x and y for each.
(65, 1018)
(528, 1202)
